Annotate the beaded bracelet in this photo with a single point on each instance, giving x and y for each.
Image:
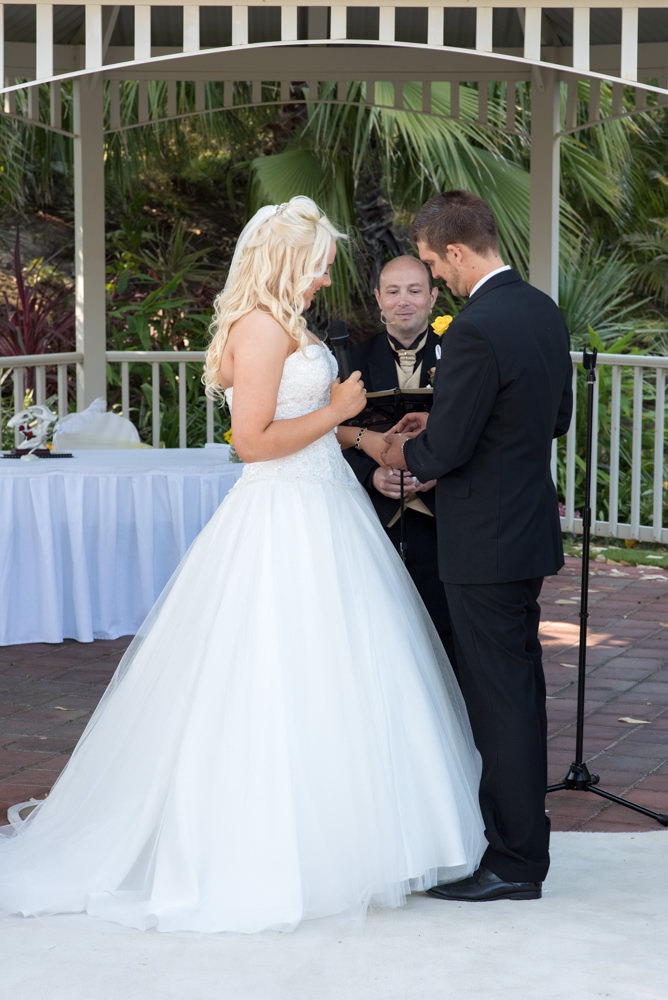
(359, 438)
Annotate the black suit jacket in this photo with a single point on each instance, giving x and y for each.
(502, 392)
(374, 358)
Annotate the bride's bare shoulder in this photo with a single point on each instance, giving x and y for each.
(259, 330)
(256, 350)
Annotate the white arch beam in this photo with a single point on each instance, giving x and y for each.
(275, 60)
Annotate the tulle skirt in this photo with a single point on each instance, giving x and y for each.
(283, 740)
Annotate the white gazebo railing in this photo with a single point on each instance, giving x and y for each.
(628, 447)
(51, 373)
(629, 486)
(155, 359)
(53, 364)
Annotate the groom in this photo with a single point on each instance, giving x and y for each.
(502, 392)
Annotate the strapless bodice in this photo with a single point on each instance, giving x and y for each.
(305, 386)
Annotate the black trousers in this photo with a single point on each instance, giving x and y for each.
(422, 564)
(501, 676)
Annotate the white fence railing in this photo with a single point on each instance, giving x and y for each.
(155, 359)
(56, 364)
(629, 474)
(629, 482)
(51, 373)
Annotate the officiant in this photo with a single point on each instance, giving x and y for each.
(404, 356)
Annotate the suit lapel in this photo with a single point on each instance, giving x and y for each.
(504, 278)
(382, 369)
(429, 359)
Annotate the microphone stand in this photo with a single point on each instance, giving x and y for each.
(579, 778)
(337, 335)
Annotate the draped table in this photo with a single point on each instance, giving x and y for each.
(87, 543)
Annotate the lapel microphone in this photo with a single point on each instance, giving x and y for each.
(337, 335)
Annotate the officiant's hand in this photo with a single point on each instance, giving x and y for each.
(424, 487)
(388, 482)
(411, 424)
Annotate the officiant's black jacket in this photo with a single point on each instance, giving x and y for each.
(375, 360)
(502, 392)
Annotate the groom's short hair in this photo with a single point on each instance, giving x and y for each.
(456, 217)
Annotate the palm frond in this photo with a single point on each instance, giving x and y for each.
(597, 290)
(652, 256)
(298, 171)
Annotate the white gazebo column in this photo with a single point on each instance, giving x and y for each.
(544, 188)
(89, 239)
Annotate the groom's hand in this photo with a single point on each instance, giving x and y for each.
(393, 455)
(411, 424)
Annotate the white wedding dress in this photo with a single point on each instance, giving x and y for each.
(283, 739)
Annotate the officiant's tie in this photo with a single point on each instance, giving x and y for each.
(408, 360)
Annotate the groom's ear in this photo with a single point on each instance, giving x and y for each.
(457, 252)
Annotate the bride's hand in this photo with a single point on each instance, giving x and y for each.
(373, 444)
(348, 398)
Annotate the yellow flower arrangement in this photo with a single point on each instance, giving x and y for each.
(441, 324)
(227, 438)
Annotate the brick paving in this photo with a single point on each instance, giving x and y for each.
(627, 679)
(47, 693)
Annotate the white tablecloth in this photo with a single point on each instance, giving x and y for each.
(87, 543)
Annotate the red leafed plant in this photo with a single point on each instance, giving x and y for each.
(41, 320)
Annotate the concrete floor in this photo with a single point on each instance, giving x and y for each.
(599, 931)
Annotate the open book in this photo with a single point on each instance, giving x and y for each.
(385, 408)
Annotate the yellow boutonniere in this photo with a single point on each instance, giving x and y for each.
(227, 437)
(441, 324)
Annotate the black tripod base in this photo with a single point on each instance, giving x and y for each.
(580, 779)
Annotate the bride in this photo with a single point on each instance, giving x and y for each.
(283, 740)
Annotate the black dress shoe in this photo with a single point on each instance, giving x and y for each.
(484, 885)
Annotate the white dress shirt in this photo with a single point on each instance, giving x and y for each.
(497, 270)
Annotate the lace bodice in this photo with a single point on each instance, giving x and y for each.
(305, 385)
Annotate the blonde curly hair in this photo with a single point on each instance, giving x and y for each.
(278, 255)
